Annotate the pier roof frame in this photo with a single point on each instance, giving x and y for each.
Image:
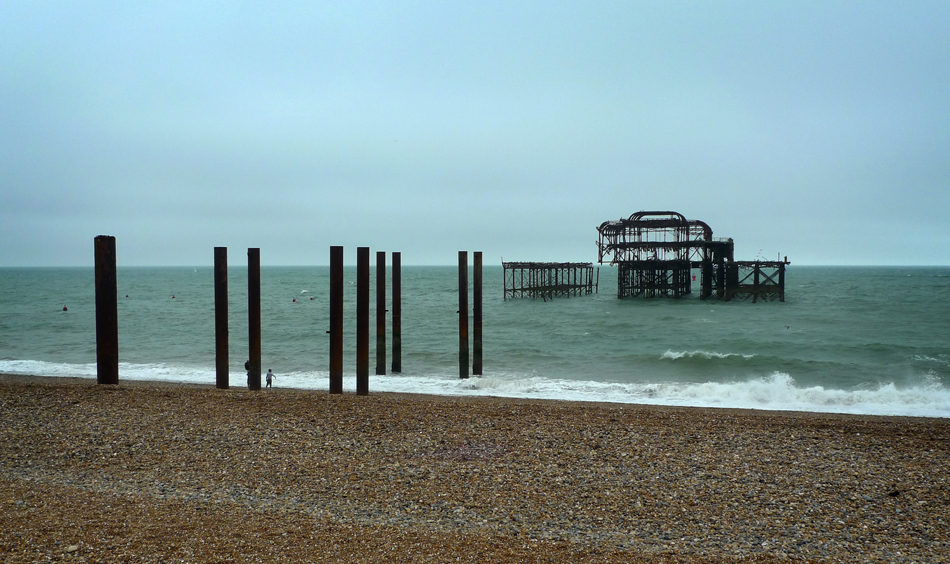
(653, 235)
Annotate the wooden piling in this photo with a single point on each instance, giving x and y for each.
(381, 312)
(477, 313)
(254, 318)
(221, 368)
(397, 313)
(107, 311)
(336, 320)
(463, 314)
(362, 321)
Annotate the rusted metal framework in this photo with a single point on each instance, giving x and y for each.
(655, 252)
(548, 280)
(763, 280)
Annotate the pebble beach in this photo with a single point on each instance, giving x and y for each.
(159, 472)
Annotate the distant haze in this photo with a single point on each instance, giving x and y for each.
(817, 130)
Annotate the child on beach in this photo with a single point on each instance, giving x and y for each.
(270, 376)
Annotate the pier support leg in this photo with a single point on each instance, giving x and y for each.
(397, 313)
(107, 312)
(336, 320)
(381, 312)
(254, 318)
(477, 313)
(781, 282)
(221, 367)
(362, 321)
(463, 314)
(755, 283)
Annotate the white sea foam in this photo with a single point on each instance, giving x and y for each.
(779, 391)
(940, 359)
(676, 355)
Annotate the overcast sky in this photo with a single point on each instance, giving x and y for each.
(818, 130)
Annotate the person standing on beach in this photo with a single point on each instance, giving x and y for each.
(270, 376)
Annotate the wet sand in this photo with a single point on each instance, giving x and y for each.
(158, 472)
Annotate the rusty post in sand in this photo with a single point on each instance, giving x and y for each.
(463, 314)
(381, 312)
(254, 318)
(221, 368)
(362, 321)
(477, 313)
(107, 312)
(397, 312)
(336, 320)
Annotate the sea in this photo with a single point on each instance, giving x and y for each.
(861, 340)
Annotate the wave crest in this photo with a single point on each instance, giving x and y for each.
(707, 355)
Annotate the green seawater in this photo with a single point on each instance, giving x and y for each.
(867, 340)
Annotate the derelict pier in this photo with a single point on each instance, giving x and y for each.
(655, 252)
(548, 280)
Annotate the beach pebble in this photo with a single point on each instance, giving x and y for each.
(157, 473)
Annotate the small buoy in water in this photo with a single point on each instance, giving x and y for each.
(294, 300)
(65, 308)
(173, 297)
(126, 295)
(311, 298)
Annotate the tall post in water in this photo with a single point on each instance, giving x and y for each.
(781, 281)
(463, 314)
(336, 320)
(381, 312)
(477, 313)
(362, 321)
(755, 282)
(254, 318)
(397, 312)
(107, 312)
(221, 367)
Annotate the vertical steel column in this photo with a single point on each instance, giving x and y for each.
(254, 318)
(755, 282)
(362, 321)
(221, 368)
(781, 281)
(107, 312)
(397, 312)
(463, 314)
(477, 313)
(381, 312)
(720, 277)
(336, 320)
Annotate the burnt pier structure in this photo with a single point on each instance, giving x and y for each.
(548, 280)
(656, 251)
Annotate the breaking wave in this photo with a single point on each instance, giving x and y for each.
(778, 391)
